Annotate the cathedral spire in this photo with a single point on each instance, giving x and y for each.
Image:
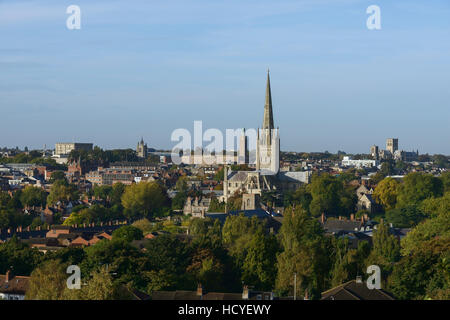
(268, 116)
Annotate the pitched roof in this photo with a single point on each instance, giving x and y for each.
(176, 295)
(16, 285)
(353, 290)
(339, 225)
(238, 176)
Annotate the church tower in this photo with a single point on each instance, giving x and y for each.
(268, 139)
(141, 149)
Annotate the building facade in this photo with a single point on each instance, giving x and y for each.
(66, 148)
(392, 145)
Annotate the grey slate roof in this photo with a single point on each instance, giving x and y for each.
(353, 290)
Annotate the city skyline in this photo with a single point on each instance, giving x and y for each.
(149, 69)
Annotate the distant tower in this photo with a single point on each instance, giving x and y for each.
(392, 145)
(141, 149)
(243, 148)
(374, 152)
(268, 139)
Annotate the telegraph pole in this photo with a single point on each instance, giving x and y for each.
(295, 285)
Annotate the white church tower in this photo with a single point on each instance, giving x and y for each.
(268, 139)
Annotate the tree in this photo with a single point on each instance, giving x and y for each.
(144, 225)
(436, 206)
(300, 197)
(237, 233)
(348, 263)
(95, 213)
(207, 269)
(259, 269)
(181, 185)
(4, 199)
(57, 175)
(116, 193)
(436, 227)
(329, 196)
(169, 256)
(102, 192)
(385, 250)
(179, 200)
(387, 169)
(386, 192)
(99, 287)
(445, 178)
(145, 199)
(127, 234)
(78, 217)
(47, 282)
(405, 217)
(33, 196)
(122, 259)
(216, 206)
(18, 256)
(417, 187)
(62, 191)
(424, 273)
(305, 252)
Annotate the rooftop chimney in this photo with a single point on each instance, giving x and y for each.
(245, 293)
(9, 276)
(352, 217)
(323, 217)
(359, 279)
(199, 290)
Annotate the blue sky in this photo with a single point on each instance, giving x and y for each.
(144, 68)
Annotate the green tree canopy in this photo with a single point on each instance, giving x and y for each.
(386, 193)
(306, 253)
(127, 234)
(405, 217)
(33, 196)
(48, 281)
(62, 191)
(329, 196)
(417, 187)
(145, 199)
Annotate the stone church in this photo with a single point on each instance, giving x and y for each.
(267, 175)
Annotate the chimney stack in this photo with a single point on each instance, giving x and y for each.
(245, 293)
(323, 217)
(9, 276)
(352, 217)
(199, 290)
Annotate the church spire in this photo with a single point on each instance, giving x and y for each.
(268, 116)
